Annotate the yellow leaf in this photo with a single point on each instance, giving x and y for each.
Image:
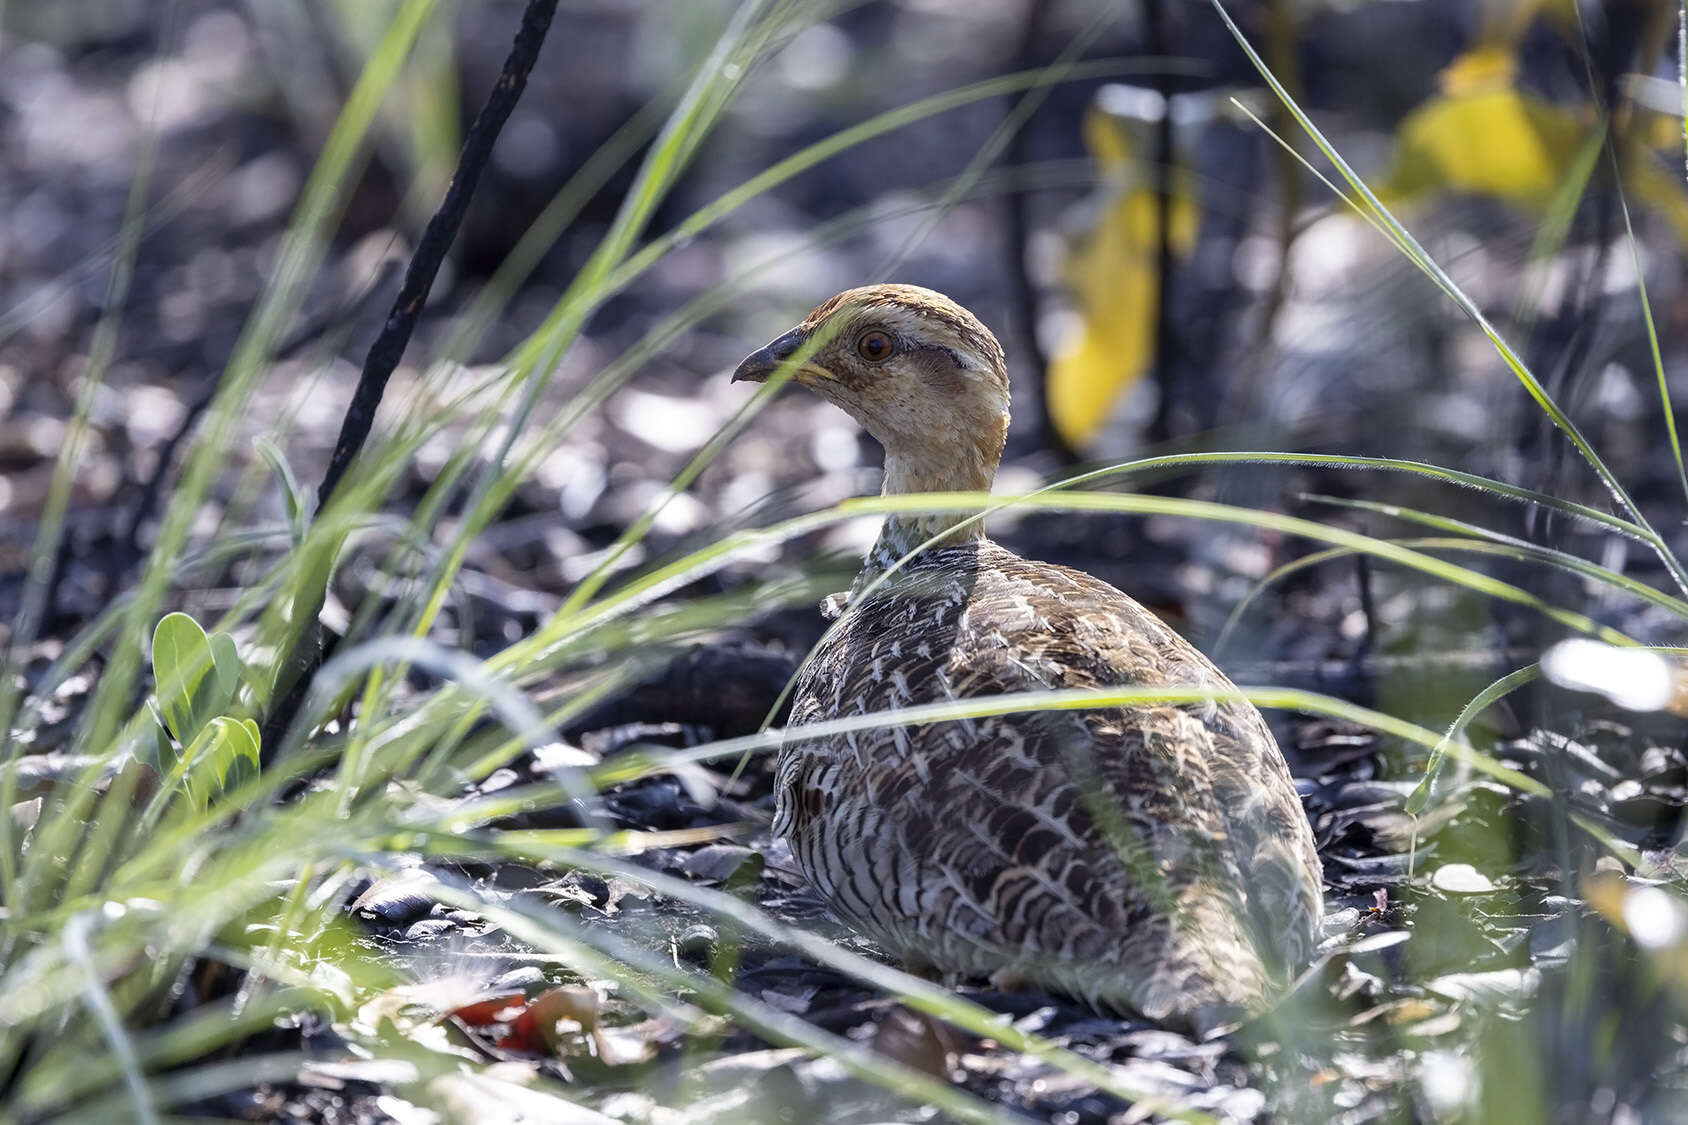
(1480, 70)
(1485, 137)
(1111, 141)
(1112, 274)
(1660, 190)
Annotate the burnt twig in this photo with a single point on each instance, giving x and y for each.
(304, 656)
(441, 232)
(1021, 290)
(1154, 15)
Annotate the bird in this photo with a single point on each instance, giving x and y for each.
(1151, 860)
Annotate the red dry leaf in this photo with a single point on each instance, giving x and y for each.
(494, 1009)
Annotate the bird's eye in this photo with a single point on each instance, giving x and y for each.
(874, 346)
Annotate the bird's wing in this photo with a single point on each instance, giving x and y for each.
(1212, 770)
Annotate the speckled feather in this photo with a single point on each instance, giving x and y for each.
(971, 846)
(1152, 859)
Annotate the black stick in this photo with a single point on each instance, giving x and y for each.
(306, 654)
(1027, 54)
(441, 232)
(1166, 376)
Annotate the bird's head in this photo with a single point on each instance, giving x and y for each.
(918, 371)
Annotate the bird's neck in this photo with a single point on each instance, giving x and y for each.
(955, 468)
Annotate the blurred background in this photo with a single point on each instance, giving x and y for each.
(1254, 311)
(1160, 248)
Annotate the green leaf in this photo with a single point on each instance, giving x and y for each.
(215, 693)
(224, 755)
(234, 755)
(181, 657)
(253, 729)
(298, 508)
(160, 753)
(190, 774)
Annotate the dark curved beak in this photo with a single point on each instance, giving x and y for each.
(764, 361)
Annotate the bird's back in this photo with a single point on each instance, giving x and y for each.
(1151, 858)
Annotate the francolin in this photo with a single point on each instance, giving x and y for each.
(1150, 859)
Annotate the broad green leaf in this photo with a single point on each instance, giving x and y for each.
(181, 656)
(224, 755)
(190, 774)
(234, 755)
(216, 691)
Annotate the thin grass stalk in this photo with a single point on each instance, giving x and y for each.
(168, 207)
(1428, 265)
(1285, 145)
(49, 535)
(602, 952)
(1225, 513)
(510, 706)
(790, 167)
(1652, 336)
(201, 1083)
(74, 937)
(603, 385)
(1268, 698)
(1419, 798)
(1345, 461)
(1072, 699)
(544, 641)
(1609, 142)
(697, 110)
(301, 251)
(64, 1078)
(638, 969)
(388, 349)
(1053, 75)
(542, 234)
(1555, 228)
(654, 584)
(1185, 461)
(1515, 548)
(845, 139)
(1436, 543)
(303, 649)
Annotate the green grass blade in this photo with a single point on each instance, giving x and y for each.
(1514, 548)
(49, 536)
(1419, 799)
(77, 954)
(1416, 253)
(1652, 337)
(1226, 513)
(301, 251)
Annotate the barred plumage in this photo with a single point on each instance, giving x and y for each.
(1153, 859)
